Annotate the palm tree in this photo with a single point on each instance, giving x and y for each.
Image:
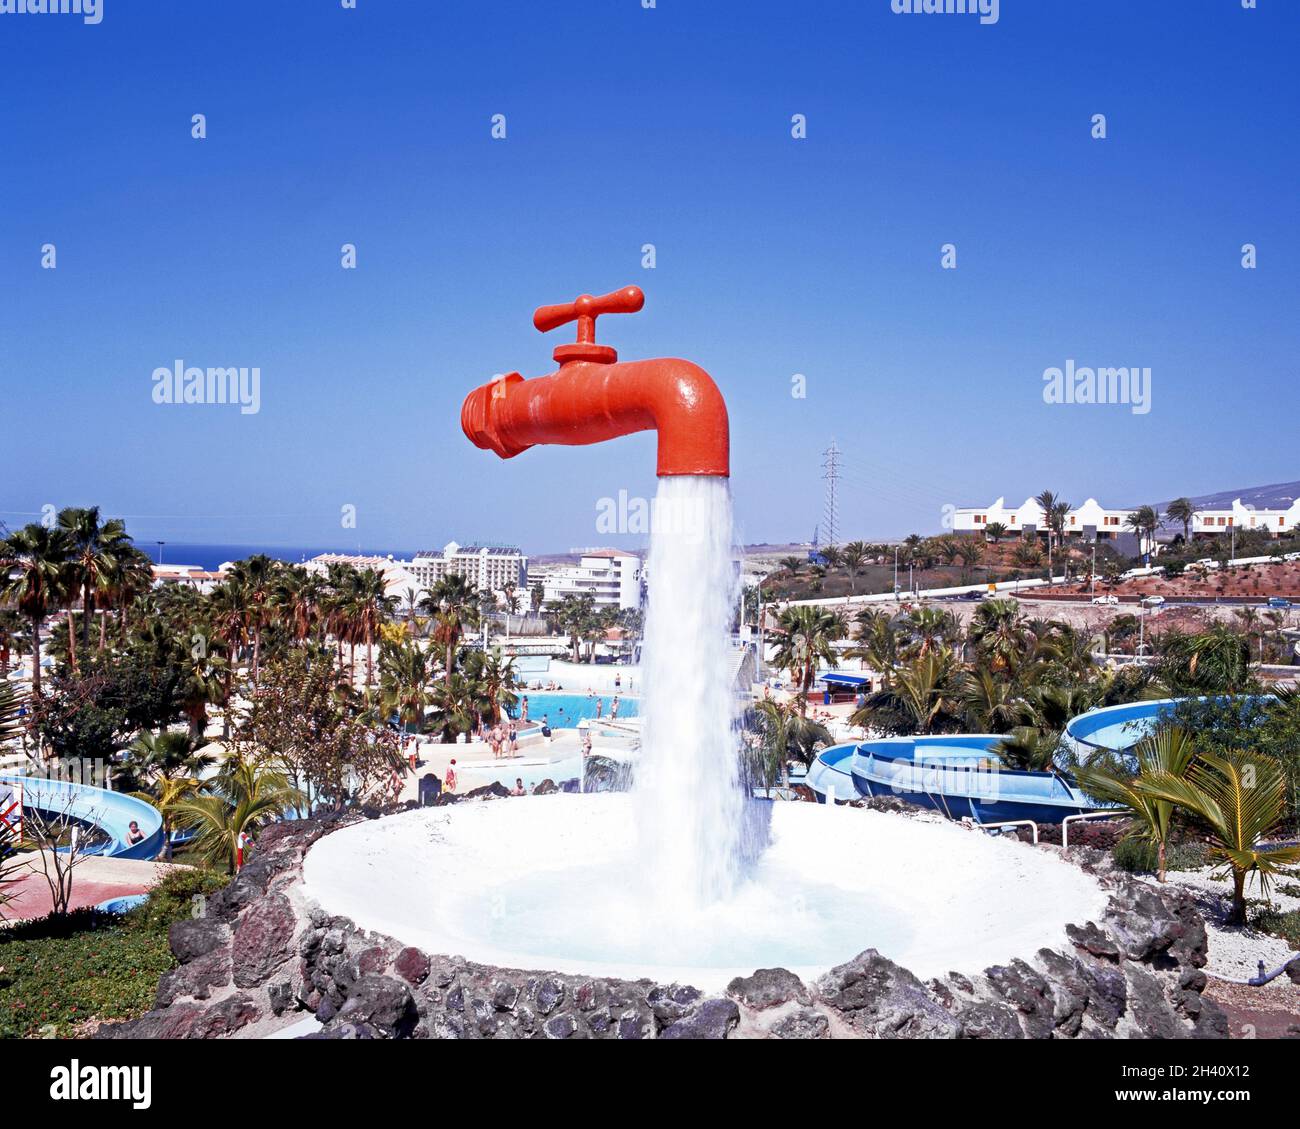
(454, 705)
(254, 578)
(575, 616)
(405, 679)
(995, 531)
(33, 574)
(12, 637)
(781, 734)
(1168, 753)
(96, 553)
(246, 794)
(373, 606)
(1047, 501)
(921, 698)
(202, 684)
(1241, 800)
(855, 553)
(876, 642)
(792, 565)
(1216, 661)
(453, 605)
(170, 754)
(129, 582)
(806, 637)
(492, 682)
(1144, 521)
(931, 627)
(1028, 749)
(1182, 510)
(990, 703)
(997, 631)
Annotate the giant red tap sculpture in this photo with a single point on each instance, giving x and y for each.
(593, 397)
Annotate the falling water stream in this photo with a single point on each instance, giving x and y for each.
(686, 795)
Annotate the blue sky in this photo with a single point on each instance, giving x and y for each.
(628, 126)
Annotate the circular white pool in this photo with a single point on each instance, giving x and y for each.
(552, 882)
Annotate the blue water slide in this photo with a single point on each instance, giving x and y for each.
(112, 812)
(1119, 728)
(957, 775)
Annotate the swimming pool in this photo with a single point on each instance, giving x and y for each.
(531, 770)
(564, 711)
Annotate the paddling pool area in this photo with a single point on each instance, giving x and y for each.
(564, 711)
(532, 770)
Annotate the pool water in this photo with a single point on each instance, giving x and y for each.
(564, 711)
(530, 770)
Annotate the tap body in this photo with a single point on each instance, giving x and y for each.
(593, 397)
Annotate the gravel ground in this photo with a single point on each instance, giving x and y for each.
(1235, 952)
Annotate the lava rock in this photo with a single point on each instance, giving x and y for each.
(802, 1023)
(672, 1002)
(493, 791)
(195, 979)
(987, 1019)
(191, 938)
(412, 966)
(769, 987)
(712, 1019)
(262, 940)
(1093, 940)
(881, 1000)
(383, 1003)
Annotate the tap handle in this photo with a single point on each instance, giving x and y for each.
(585, 310)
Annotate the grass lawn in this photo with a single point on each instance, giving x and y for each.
(60, 973)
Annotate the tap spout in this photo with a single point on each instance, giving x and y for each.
(591, 401)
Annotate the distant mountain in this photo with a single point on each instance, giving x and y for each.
(1276, 497)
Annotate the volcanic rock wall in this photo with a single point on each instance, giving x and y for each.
(259, 949)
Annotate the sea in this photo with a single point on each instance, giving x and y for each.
(211, 557)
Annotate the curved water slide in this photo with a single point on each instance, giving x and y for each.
(111, 812)
(1118, 728)
(956, 775)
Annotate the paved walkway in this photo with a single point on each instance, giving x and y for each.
(94, 880)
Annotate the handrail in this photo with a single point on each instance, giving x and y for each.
(1065, 823)
(973, 824)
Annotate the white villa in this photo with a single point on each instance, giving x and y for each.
(1210, 523)
(1090, 521)
(1094, 522)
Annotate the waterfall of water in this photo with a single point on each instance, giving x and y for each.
(686, 796)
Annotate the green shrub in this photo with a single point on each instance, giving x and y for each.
(1134, 855)
(1284, 925)
(1190, 855)
(174, 897)
(1138, 856)
(58, 972)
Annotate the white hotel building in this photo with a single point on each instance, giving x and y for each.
(490, 568)
(1093, 521)
(612, 577)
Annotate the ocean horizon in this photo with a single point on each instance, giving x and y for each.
(212, 556)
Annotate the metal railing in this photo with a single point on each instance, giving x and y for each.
(973, 825)
(1081, 817)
